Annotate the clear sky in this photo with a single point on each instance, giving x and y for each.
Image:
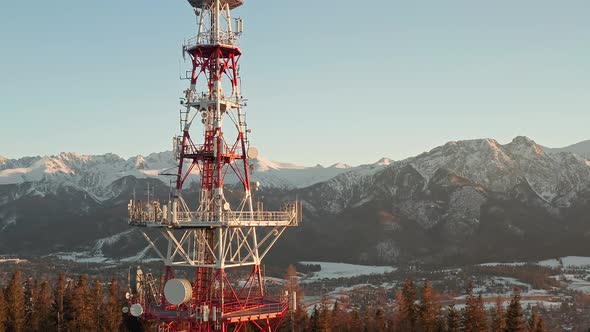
(326, 81)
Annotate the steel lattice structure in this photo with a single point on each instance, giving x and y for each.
(216, 235)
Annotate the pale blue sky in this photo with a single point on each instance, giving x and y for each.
(326, 81)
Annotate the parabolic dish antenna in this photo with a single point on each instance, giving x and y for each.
(136, 310)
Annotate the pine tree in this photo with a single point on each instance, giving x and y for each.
(429, 309)
(368, 322)
(453, 319)
(355, 323)
(536, 323)
(58, 305)
(514, 315)
(3, 310)
(301, 320)
(42, 320)
(400, 315)
(409, 292)
(15, 302)
(337, 317)
(32, 297)
(95, 306)
(379, 320)
(80, 310)
(314, 320)
(498, 316)
(31, 290)
(112, 311)
(474, 316)
(405, 310)
(325, 320)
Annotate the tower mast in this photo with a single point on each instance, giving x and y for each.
(221, 233)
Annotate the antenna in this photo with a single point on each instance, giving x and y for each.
(213, 235)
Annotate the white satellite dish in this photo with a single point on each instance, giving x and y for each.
(127, 295)
(178, 291)
(252, 153)
(136, 310)
(125, 310)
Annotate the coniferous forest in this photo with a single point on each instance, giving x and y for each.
(62, 304)
(86, 304)
(418, 309)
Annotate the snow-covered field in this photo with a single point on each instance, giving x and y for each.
(82, 257)
(509, 264)
(567, 262)
(342, 270)
(13, 260)
(575, 273)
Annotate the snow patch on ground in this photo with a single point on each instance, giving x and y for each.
(82, 257)
(342, 270)
(500, 264)
(110, 240)
(13, 260)
(96, 255)
(140, 257)
(567, 262)
(523, 303)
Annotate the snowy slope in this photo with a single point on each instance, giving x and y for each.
(95, 173)
(483, 165)
(331, 270)
(556, 178)
(438, 198)
(90, 173)
(281, 175)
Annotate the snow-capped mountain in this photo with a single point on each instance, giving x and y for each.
(555, 177)
(474, 199)
(281, 175)
(90, 173)
(94, 174)
(463, 199)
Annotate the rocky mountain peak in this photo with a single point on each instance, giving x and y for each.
(384, 161)
(340, 165)
(524, 146)
(140, 162)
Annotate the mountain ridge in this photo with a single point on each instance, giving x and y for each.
(581, 148)
(463, 195)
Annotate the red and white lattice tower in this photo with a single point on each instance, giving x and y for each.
(218, 235)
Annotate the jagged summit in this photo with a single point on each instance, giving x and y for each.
(524, 145)
(448, 191)
(481, 160)
(384, 161)
(340, 165)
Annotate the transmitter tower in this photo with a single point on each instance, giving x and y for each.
(221, 233)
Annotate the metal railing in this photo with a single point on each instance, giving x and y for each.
(154, 215)
(237, 217)
(253, 307)
(207, 38)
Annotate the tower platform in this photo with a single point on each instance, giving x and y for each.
(203, 3)
(153, 215)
